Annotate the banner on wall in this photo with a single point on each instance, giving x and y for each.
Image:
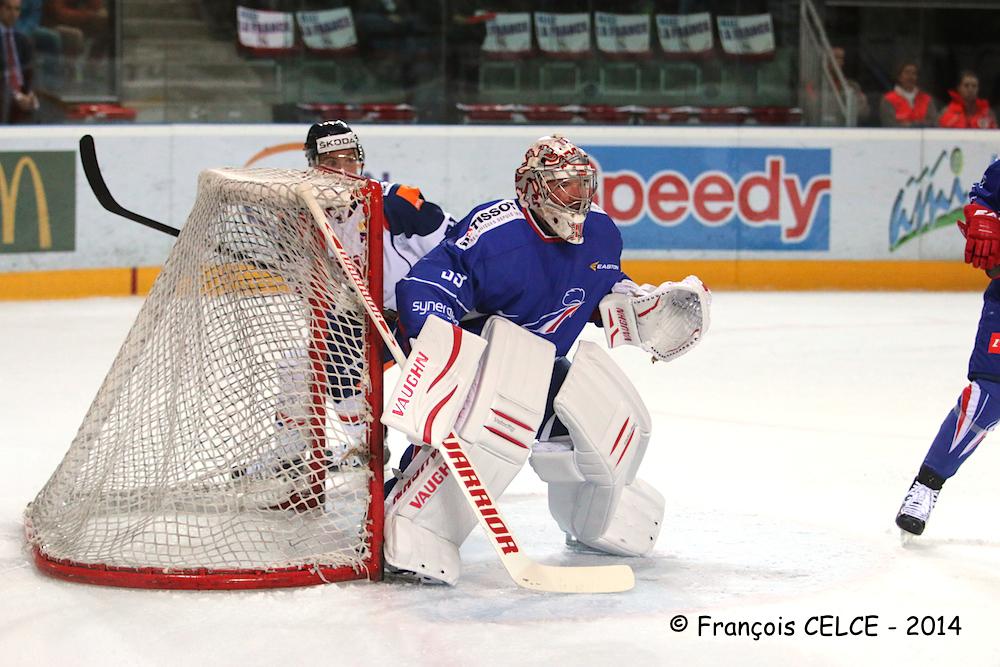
(931, 197)
(328, 30)
(37, 214)
(265, 31)
(508, 34)
(563, 34)
(685, 34)
(746, 35)
(622, 34)
(713, 198)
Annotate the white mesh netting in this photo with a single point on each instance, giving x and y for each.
(234, 431)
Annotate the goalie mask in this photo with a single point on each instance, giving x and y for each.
(333, 144)
(557, 182)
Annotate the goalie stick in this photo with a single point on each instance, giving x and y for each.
(522, 569)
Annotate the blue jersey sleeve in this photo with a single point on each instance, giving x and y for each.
(409, 214)
(987, 190)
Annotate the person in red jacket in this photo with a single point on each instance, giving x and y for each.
(906, 105)
(967, 110)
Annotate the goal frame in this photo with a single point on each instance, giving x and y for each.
(241, 579)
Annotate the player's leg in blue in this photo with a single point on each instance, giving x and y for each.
(975, 413)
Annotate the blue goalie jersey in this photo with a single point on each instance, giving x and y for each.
(498, 260)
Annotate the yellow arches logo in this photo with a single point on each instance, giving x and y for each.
(8, 202)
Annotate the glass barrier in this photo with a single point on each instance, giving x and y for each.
(766, 62)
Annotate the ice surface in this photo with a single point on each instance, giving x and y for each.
(783, 445)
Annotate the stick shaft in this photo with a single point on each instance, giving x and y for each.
(92, 170)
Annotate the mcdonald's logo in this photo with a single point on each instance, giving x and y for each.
(37, 201)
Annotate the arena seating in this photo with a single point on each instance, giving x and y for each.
(628, 114)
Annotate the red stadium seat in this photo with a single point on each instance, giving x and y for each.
(605, 113)
(552, 113)
(491, 113)
(99, 113)
(371, 113)
(777, 115)
(724, 115)
(671, 115)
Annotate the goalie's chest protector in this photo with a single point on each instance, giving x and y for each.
(539, 281)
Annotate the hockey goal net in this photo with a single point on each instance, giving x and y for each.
(235, 442)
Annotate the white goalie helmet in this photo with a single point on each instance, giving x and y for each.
(557, 181)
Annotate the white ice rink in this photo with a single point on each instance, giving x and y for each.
(783, 445)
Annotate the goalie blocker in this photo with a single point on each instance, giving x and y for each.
(593, 491)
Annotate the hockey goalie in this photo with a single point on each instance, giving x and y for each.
(489, 316)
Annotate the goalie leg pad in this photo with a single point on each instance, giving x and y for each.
(427, 519)
(434, 382)
(414, 541)
(593, 491)
(631, 529)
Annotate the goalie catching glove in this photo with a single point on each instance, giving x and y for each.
(666, 321)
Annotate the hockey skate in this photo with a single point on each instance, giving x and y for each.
(284, 476)
(916, 509)
(411, 577)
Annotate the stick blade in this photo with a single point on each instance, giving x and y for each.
(588, 579)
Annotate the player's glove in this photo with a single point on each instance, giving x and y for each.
(981, 229)
(667, 320)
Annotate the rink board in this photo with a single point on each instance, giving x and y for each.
(744, 207)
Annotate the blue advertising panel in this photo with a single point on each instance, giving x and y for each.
(712, 198)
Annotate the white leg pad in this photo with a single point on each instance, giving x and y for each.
(434, 382)
(427, 518)
(593, 491)
(411, 541)
(631, 530)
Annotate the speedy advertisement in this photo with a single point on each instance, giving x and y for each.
(717, 198)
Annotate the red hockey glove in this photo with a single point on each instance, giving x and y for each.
(982, 236)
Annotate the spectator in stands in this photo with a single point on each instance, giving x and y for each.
(967, 110)
(48, 43)
(88, 17)
(16, 53)
(853, 87)
(906, 105)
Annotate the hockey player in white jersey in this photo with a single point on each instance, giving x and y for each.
(491, 314)
(413, 226)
